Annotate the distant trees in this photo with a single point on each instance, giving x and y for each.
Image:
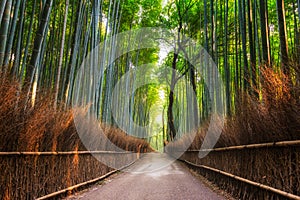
(239, 35)
(43, 44)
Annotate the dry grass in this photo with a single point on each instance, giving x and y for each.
(273, 116)
(42, 128)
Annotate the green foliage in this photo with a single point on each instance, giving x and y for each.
(89, 22)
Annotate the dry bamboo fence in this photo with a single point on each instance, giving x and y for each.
(29, 175)
(69, 189)
(275, 165)
(259, 185)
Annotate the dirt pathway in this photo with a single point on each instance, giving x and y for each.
(155, 177)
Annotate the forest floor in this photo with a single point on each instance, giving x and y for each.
(154, 176)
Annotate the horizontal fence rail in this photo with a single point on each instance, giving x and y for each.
(252, 146)
(63, 153)
(253, 171)
(256, 184)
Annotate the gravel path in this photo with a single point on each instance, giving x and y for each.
(155, 177)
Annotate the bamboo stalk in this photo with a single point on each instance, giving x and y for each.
(256, 184)
(253, 146)
(2, 7)
(64, 153)
(82, 184)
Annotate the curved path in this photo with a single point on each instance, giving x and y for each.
(155, 177)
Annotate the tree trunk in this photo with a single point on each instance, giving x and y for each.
(38, 41)
(212, 38)
(12, 33)
(205, 26)
(297, 35)
(244, 42)
(251, 43)
(226, 67)
(2, 7)
(282, 35)
(195, 103)
(70, 73)
(172, 130)
(18, 50)
(61, 53)
(24, 60)
(4, 30)
(264, 32)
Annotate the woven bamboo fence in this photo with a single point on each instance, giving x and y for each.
(275, 165)
(29, 175)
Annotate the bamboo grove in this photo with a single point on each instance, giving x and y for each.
(44, 42)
